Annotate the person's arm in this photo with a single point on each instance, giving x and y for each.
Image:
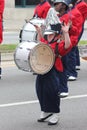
(65, 29)
(39, 32)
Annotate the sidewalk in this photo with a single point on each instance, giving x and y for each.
(7, 56)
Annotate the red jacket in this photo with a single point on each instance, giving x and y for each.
(82, 7)
(1, 18)
(61, 50)
(78, 16)
(42, 9)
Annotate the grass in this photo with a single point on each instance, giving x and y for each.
(83, 43)
(7, 47)
(12, 47)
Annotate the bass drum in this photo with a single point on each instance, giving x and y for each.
(22, 54)
(41, 58)
(29, 33)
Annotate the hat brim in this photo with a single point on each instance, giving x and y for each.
(49, 32)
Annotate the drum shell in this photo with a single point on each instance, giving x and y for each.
(28, 32)
(22, 54)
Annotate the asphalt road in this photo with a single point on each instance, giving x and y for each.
(19, 108)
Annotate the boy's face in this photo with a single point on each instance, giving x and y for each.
(57, 6)
(63, 9)
(51, 36)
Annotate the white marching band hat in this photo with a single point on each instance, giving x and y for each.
(52, 22)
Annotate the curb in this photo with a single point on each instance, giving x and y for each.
(7, 56)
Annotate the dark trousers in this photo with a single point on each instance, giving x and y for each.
(47, 89)
(71, 63)
(63, 77)
(77, 56)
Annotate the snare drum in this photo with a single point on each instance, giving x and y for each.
(21, 55)
(41, 58)
(29, 33)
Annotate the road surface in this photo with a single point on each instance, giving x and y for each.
(19, 108)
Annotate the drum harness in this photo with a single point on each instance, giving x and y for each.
(56, 47)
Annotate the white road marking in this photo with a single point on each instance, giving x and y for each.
(18, 103)
(36, 101)
(74, 97)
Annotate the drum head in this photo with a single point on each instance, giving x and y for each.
(41, 58)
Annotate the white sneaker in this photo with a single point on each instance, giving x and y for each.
(44, 116)
(63, 94)
(54, 119)
(72, 78)
(77, 67)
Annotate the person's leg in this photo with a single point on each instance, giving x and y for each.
(71, 65)
(47, 89)
(63, 85)
(77, 59)
(63, 88)
(47, 93)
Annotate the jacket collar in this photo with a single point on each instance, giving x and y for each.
(43, 2)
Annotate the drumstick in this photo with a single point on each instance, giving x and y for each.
(33, 24)
(38, 29)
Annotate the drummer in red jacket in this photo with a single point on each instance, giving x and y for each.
(47, 85)
(42, 9)
(1, 27)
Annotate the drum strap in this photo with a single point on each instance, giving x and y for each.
(56, 51)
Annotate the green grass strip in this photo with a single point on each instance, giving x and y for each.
(7, 47)
(82, 42)
(12, 47)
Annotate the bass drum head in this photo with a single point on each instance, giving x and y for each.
(21, 55)
(41, 58)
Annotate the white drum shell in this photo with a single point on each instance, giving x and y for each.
(21, 55)
(29, 32)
